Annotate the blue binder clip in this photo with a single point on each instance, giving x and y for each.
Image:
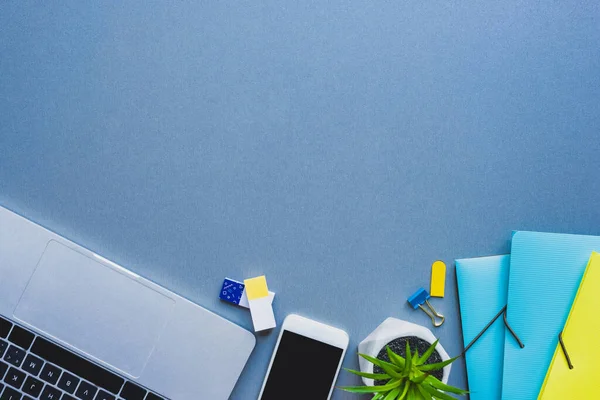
(421, 297)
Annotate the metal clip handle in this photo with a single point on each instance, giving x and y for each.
(521, 345)
(514, 335)
(433, 314)
(564, 349)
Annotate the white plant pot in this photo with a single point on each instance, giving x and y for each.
(390, 329)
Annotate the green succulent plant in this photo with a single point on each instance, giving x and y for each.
(407, 378)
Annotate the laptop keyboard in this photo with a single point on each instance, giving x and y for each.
(32, 367)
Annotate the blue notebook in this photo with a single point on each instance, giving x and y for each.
(482, 286)
(545, 272)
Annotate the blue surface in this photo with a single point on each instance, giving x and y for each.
(347, 142)
(482, 289)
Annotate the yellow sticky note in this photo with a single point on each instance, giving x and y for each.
(256, 288)
(438, 279)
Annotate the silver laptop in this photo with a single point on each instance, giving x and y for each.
(74, 325)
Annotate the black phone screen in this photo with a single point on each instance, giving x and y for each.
(303, 368)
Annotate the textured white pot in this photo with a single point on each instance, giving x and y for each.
(390, 329)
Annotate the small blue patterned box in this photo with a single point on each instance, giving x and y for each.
(232, 291)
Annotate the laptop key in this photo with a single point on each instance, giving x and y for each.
(67, 397)
(33, 386)
(3, 369)
(21, 337)
(10, 394)
(68, 382)
(4, 327)
(14, 356)
(77, 365)
(3, 347)
(131, 391)
(50, 373)
(14, 377)
(102, 395)
(152, 396)
(86, 391)
(32, 364)
(50, 393)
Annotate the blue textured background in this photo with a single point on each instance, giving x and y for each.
(337, 147)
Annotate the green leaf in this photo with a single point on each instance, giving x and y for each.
(360, 389)
(437, 366)
(408, 364)
(436, 383)
(413, 394)
(391, 371)
(379, 363)
(367, 375)
(405, 391)
(392, 395)
(419, 379)
(424, 393)
(392, 384)
(428, 353)
(436, 394)
(406, 394)
(408, 354)
(378, 396)
(395, 358)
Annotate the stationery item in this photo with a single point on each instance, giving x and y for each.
(260, 303)
(244, 300)
(489, 324)
(574, 371)
(545, 272)
(482, 292)
(421, 297)
(234, 292)
(438, 279)
(231, 291)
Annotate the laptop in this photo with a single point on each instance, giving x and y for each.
(74, 325)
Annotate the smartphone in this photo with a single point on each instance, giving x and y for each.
(306, 361)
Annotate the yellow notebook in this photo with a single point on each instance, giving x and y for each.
(580, 336)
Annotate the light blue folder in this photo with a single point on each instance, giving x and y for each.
(482, 285)
(545, 272)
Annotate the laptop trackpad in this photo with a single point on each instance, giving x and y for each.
(98, 309)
